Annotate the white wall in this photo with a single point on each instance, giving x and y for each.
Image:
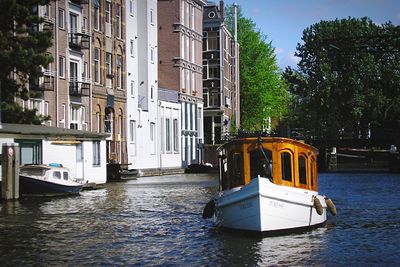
(94, 174)
(172, 158)
(66, 155)
(142, 153)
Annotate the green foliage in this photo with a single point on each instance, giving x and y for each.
(263, 93)
(23, 51)
(346, 84)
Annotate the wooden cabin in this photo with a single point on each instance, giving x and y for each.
(285, 161)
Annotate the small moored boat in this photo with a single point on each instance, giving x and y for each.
(47, 180)
(268, 185)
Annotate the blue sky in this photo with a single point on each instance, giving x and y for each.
(283, 21)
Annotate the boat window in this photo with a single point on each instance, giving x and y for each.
(261, 163)
(312, 166)
(57, 175)
(286, 161)
(223, 164)
(302, 170)
(237, 170)
(65, 175)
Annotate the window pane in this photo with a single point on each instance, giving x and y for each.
(286, 161)
(302, 170)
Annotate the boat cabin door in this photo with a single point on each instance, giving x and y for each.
(79, 162)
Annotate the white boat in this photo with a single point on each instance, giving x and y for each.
(268, 185)
(47, 180)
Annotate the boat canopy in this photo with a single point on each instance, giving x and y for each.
(285, 161)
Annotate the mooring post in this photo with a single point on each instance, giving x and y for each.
(10, 171)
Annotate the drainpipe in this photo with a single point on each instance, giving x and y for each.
(90, 69)
(57, 61)
(1, 126)
(235, 5)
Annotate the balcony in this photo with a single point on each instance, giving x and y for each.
(79, 88)
(80, 2)
(44, 83)
(79, 40)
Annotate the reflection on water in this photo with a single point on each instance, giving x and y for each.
(157, 221)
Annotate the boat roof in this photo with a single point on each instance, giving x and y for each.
(269, 139)
(47, 132)
(43, 166)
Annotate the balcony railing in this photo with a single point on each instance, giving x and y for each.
(79, 40)
(80, 2)
(44, 83)
(79, 87)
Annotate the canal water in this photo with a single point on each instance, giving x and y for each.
(156, 221)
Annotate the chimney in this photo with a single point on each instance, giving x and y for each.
(221, 8)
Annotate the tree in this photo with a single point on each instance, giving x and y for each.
(346, 84)
(263, 93)
(23, 53)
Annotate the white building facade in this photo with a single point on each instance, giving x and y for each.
(142, 82)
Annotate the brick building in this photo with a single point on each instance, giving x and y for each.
(180, 26)
(220, 81)
(84, 87)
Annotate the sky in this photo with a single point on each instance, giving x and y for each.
(283, 21)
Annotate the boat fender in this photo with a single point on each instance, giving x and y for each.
(209, 209)
(318, 206)
(331, 206)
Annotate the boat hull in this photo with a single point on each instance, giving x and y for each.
(33, 186)
(270, 209)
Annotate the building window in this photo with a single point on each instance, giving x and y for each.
(96, 153)
(151, 16)
(108, 18)
(183, 46)
(98, 122)
(152, 55)
(214, 99)
(193, 82)
(62, 116)
(132, 131)
(132, 49)
(131, 7)
(152, 137)
(187, 80)
(167, 135)
(193, 51)
(193, 17)
(61, 18)
(108, 121)
(119, 71)
(183, 12)
(108, 63)
(213, 72)
(85, 73)
(61, 67)
(176, 135)
(152, 92)
(97, 65)
(187, 48)
(183, 80)
(73, 23)
(77, 117)
(132, 88)
(118, 20)
(96, 17)
(109, 67)
(30, 151)
(120, 124)
(213, 41)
